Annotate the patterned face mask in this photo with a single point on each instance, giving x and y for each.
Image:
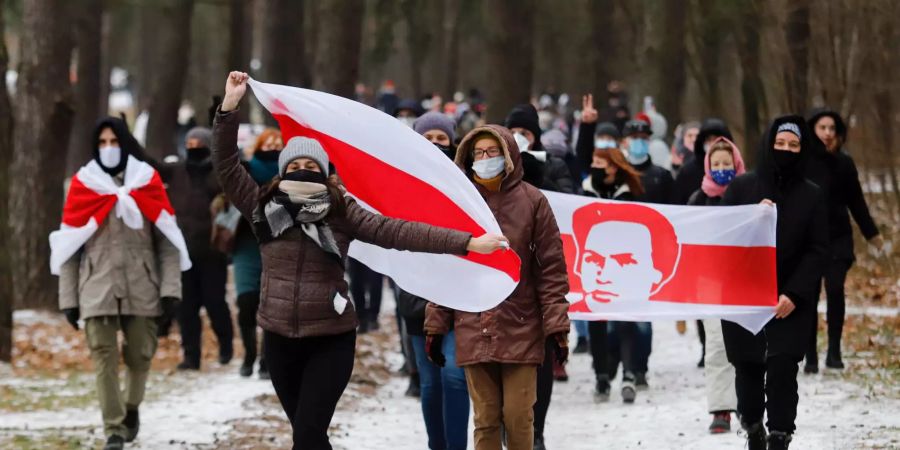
(723, 177)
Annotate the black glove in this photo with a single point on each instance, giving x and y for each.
(72, 316)
(168, 310)
(433, 345)
(561, 347)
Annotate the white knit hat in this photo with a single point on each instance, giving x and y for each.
(303, 147)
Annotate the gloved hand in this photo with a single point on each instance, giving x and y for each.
(433, 345)
(72, 316)
(168, 310)
(561, 347)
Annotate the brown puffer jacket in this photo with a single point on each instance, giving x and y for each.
(515, 330)
(299, 279)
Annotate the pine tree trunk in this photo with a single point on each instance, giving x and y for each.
(43, 120)
(340, 35)
(752, 90)
(6, 139)
(89, 104)
(671, 75)
(602, 42)
(510, 31)
(240, 41)
(451, 21)
(173, 43)
(796, 31)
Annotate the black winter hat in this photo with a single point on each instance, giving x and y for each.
(637, 126)
(525, 116)
(608, 129)
(840, 128)
(127, 142)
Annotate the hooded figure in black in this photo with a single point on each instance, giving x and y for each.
(542, 170)
(834, 171)
(691, 174)
(128, 145)
(766, 364)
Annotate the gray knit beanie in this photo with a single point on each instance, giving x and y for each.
(302, 147)
(435, 121)
(202, 134)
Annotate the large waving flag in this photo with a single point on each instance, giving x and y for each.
(392, 170)
(642, 262)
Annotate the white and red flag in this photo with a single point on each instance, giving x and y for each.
(392, 170)
(642, 262)
(93, 195)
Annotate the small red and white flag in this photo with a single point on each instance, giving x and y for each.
(392, 170)
(643, 262)
(93, 194)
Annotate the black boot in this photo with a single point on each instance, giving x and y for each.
(132, 424)
(114, 442)
(539, 444)
(264, 370)
(189, 365)
(581, 346)
(779, 440)
(833, 357)
(756, 435)
(414, 389)
(640, 381)
(226, 352)
(601, 391)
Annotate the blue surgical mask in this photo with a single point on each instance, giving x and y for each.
(723, 177)
(604, 143)
(638, 149)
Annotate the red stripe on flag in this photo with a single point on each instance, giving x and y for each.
(83, 203)
(396, 193)
(709, 274)
(152, 198)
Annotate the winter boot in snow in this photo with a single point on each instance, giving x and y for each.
(132, 424)
(628, 390)
(581, 346)
(263, 370)
(601, 391)
(559, 372)
(640, 381)
(721, 422)
(115, 442)
(188, 365)
(226, 352)
(833, 357)
(779, 440)
(246, 369)
(414, 390)
(756, 435)
(539, 444)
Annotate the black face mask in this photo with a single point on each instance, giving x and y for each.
(598, 175)
(270, 155)
(446, 150)
(786, 162)
(308, 176)
(198, 154)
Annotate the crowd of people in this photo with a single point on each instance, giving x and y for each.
(276, 212)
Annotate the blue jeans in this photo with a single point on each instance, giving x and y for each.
(581, 328)
(445, 398)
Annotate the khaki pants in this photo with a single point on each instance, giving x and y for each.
(503, 393)
(137, 351)
(720, 392)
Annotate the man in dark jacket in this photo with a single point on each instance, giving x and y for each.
(542, 169)
(657, 182)
(766, 364)
(192, 185)
(691, 174)
(834, 171)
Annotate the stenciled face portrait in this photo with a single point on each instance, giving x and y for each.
(617, 263)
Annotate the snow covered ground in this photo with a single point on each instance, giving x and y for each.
(201, 410)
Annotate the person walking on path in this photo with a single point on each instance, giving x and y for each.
(501, 349)
(305, 223)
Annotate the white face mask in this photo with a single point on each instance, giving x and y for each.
(110, 156)
(408, 121)
(489, 168)
(521, 141)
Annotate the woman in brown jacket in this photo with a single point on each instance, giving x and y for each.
(501, 348)
(305, 224)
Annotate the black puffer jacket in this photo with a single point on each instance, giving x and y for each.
(801, 242)
(691, 174)
(657, 183)
(836, 174)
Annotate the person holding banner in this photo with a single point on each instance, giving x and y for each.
(305, 224)
(501, 348)
(766, 364)
(723, 163)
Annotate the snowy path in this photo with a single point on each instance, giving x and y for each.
(199, 410)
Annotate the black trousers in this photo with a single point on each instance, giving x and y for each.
(204, 287)
(597, 337)
(835, 277)
(621, 344)
(309, 376)
(544, 389)
(248, 305)
(769, 387)
(365, 286)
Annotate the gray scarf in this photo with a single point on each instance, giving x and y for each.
(301, 204)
